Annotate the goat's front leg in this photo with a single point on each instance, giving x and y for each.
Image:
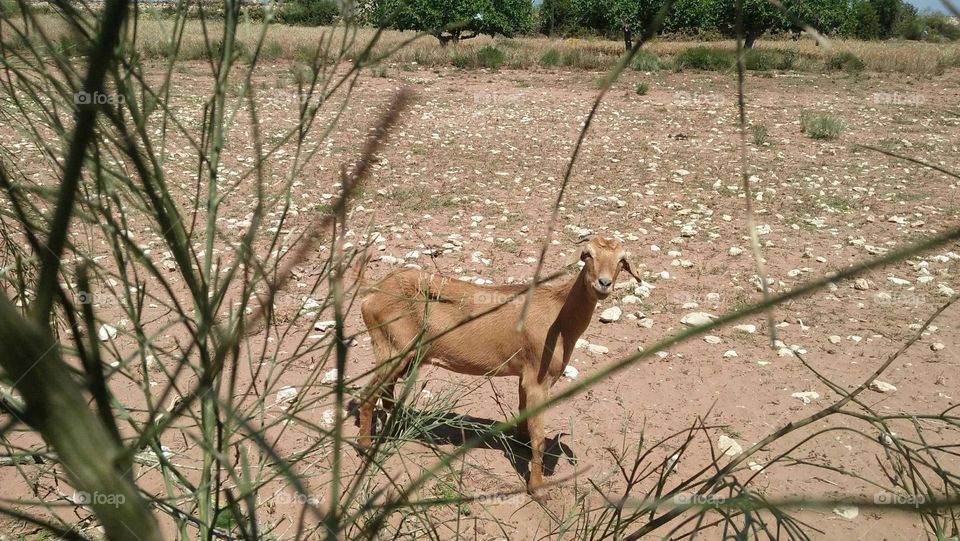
(523, 432)
(536, 394)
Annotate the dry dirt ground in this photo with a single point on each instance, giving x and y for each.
(472, 174)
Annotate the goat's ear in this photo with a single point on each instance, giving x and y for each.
(629, 269)
(573, 258)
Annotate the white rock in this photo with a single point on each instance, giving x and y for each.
(611, 314)
(806, 396)
(834, 339)
(735, 250)
(711, 339)
(571, 372)
(945, 290)
(153, 364)
(898, 281)
(645, 322)
(107, 332)
(861, 284)
(324, 326)
(327, 418)
(728, 446)
(729, 354)
(286, 396)
(630, 299)
(848, 512)
(882, 386)
(747, 328)
(598, 349)
(330, 376)
(697, 318)
(937, 346)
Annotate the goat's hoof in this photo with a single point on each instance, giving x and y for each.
(364, 449)
(540, 496)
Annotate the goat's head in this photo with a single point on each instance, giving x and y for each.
(603, 259)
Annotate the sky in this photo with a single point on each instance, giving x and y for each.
(931, 5)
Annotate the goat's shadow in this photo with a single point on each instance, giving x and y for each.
(450, 428)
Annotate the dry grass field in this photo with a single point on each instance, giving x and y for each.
(674, 443)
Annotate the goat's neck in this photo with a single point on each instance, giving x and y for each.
(577, 310)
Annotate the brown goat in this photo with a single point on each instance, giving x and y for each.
(407, 303)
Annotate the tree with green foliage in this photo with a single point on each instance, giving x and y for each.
(825, 16)
(863, 23)
(759, 17)
(887, 13)
(690, 17)
(608, 17)
(453, 20)
(557, 17)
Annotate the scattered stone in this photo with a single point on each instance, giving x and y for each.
(286, 397)
(107, 333)
(937, 346)
(748, 328)
(898, 281)
(735, 250)
(834, 339)
(848, 512)
(697, 318)
(330, 376)
(646, 323)
(729, 354)
(153, 364)
(806, 396)
(945, 290)
(728, 446)
(711, 339)
(598, 349)
(571, 372)
(324, 326)
(882, 386)
(861, 284)
(611, 314)
(630, 299)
